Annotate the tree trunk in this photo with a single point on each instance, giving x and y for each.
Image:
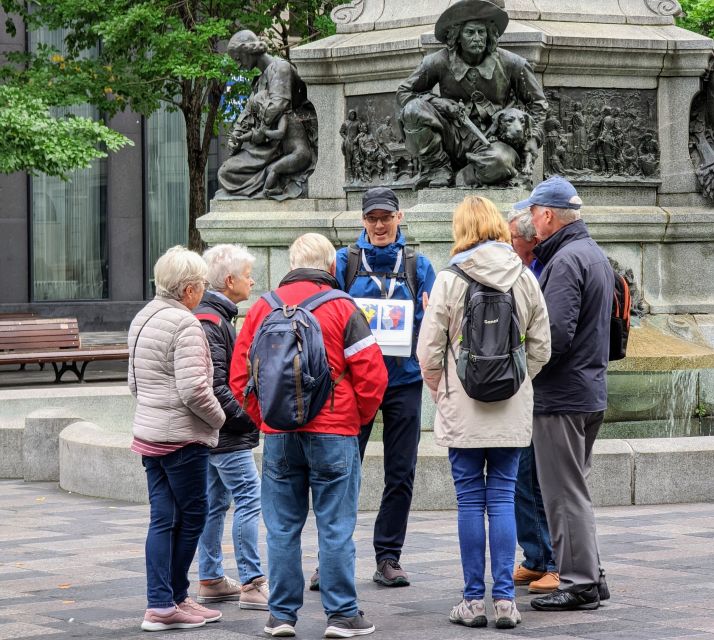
(197, 159)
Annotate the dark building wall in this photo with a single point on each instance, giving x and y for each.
(14, 218)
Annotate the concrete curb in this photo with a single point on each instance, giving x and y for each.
(99, 463)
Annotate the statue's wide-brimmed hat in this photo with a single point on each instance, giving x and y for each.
(465, 10)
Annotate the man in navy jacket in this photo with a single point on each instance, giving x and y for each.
(571, 390)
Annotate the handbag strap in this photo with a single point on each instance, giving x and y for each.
(136, 342)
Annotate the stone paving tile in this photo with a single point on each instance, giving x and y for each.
(73, 567)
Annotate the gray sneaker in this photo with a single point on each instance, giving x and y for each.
(279, 628)
(343, 627)
(470, 613)
(390, 574)
(507, 616)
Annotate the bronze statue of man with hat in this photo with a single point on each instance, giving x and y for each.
(477, 81)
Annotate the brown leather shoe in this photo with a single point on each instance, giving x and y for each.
(525, 576)
(547, 584)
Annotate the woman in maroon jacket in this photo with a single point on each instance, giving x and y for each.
(323, 456)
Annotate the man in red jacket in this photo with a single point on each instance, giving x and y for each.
(323, 456)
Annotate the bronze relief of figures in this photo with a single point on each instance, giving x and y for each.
(601, 134)
(701, 134)
(273, 143)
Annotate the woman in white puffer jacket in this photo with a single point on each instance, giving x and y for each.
(176, 421)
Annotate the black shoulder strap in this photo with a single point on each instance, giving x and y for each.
(353, 259)
(410, 269)
(461, 273)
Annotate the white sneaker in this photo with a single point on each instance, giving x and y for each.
(470, 613)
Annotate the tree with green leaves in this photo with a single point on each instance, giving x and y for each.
(152, 53)
(699, 16)
(33, 140)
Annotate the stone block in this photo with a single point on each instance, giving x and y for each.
(279, 266)
(679, 278)
(673, 470)
(611, 477)
(11, 450)
(689, 224)
(705, 324)
(40, 443)
(674, 100)
(629, 257)
(604, 11)
(706, 391)
(96, 462)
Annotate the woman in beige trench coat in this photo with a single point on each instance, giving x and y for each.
(484, 438)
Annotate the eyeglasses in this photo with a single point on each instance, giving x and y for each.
(373, 220)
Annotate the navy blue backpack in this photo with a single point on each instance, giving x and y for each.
(287, 365)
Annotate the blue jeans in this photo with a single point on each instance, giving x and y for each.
(531, 523)
(327, 465)
(475, 495)
(231, 475)
(178, 505)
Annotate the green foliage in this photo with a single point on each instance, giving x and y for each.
(32, 140)
(151, 53)
(699, 16)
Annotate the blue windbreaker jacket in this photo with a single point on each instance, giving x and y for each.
(401, 370)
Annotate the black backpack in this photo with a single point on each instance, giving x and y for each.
(491, 363)
(620, 319)
(354, 269)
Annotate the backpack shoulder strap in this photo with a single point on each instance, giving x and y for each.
(410, 270)
(461, 273)
(273, 299)
(353, 259)
(319, 298)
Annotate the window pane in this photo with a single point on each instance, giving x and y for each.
(166, 185)
(69, 248)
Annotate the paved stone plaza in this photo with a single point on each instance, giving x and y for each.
(72, 567)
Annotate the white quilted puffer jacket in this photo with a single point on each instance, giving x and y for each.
(171, 376)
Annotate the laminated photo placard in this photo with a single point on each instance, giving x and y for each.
(391, 322)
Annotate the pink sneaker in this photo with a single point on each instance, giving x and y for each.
(192, 607)
(176, 619)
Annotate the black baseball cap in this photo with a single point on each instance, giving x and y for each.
(381, 198)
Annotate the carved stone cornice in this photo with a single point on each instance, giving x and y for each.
(347, 13)
(665, 7)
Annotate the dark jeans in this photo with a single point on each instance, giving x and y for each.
(401, 412)
(178, 505)
(531, 523)
(485, 481)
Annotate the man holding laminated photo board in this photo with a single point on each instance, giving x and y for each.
(391, 284)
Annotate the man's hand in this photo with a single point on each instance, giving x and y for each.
(447, 107)
(425, 300)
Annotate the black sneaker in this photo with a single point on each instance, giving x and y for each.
(567, 600)
(343, 627)
(602, 589)
(279, 628)
(315, 580)
(390, 574)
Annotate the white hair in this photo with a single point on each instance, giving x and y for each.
(177, 269)
(566, 216)
(312, 251)
(225, 260)
(524, 223)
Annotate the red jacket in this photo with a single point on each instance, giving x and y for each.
(349, 345)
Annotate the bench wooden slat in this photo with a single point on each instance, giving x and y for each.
(54, 340)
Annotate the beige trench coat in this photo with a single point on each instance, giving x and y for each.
(462, 422)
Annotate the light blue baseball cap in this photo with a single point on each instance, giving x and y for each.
(554, 192)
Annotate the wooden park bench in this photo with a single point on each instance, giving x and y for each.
(53, 340)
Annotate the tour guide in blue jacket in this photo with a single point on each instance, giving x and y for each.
(383, 247)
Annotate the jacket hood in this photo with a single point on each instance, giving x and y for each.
(494, 264)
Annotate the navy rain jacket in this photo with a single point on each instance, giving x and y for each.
(382, 259)
(578, 286)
